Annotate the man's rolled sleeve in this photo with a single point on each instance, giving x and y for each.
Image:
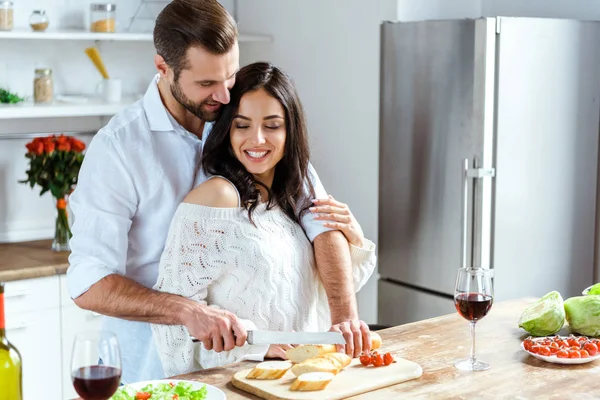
(314, 227)
(103, 205)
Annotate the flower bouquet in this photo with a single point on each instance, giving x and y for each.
(54, 165)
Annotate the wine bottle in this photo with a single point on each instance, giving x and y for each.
(10, 361)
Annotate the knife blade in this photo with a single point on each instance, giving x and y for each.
(273, 337)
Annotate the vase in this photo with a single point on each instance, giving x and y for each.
(62, 230)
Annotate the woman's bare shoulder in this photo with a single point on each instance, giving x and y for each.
(215, 192)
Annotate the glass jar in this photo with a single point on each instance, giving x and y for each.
(43, 87)
(6, 15)
(38, 20)
(103, 17)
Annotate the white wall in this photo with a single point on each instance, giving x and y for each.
(576, 9)
(413, 10)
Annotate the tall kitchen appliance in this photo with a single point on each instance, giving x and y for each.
(488, 127)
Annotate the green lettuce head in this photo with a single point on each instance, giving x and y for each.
(544, 317)
(594, 289)
(583, 314)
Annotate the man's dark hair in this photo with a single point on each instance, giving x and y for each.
(188, 23)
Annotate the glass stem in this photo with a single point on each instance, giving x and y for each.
(472, 354)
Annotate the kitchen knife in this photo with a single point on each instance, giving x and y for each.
(272, 337)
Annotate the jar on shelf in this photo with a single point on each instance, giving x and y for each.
(43, 87)
(103, 17)
(6, 15)
(38, 20)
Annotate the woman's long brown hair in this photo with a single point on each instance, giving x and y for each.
(292, 189)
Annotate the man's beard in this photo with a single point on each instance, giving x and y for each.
(194, 108)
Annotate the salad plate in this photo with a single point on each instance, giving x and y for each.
(166, 388)
(553, 358)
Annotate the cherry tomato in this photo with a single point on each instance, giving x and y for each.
(388, 358)
(535, 349)
(527, 344)
(591, 348)
(584, 354)
(143, 395)
(574, 354)
(572, 342)
(562, 354)
(544, 351)
(365, 359)
(377, 360)
(564, 344)
(554, 345)
(582, 339)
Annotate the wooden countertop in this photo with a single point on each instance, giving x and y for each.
(27, 260)
(436, 343)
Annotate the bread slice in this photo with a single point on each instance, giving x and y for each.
(312, 381)
(330, 362)
(304, 352)
(269, 370)
(375, 341)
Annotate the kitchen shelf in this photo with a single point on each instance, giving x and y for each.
(92, 108)
(85, 35)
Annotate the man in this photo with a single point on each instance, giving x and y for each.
(140, 167)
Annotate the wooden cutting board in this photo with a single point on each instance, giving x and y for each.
(352, 380)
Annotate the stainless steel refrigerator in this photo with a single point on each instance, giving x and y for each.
(488, 157)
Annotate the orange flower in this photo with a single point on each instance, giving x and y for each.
(61, 139)
(77, 145)
(38, 148)
(65, 146)
(49, 146)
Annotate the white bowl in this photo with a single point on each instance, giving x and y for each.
(556, 360)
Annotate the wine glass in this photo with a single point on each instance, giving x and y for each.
(473, 297)
(96, 365)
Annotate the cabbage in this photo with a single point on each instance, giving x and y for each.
(594, 289)
(544, 317)
(583, 314)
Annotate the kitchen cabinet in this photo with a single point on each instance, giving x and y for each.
(33, 325)
(74, 320)
(42, 321)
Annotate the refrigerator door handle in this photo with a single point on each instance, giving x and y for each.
(470, 173)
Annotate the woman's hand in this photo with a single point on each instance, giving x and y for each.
(278, 351)
(338, 216)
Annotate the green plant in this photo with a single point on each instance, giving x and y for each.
(7, 97)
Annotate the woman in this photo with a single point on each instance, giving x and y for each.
(236, 243)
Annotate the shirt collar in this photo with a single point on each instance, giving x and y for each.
(156, 112)
(158, 115)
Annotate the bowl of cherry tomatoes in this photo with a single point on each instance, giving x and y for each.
(563, 349)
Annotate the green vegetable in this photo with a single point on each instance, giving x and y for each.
(594, 289)
(163, 391)
(7, 97)
(544, 317)
(583, 314)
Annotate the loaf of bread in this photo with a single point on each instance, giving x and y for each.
(329, 362)
(269, 370)
(312, 381)
(304, 352)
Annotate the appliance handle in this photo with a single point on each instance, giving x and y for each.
(475, 174)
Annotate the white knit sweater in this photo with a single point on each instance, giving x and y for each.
(264, 274)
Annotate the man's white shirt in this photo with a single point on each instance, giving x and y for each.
(136, 171)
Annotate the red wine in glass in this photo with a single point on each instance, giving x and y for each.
(96, 382)
(473, 298)
(96, 365)
(473, 306)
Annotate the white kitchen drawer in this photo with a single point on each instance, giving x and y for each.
(74, 320)
(37, 337)
(31, 295)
